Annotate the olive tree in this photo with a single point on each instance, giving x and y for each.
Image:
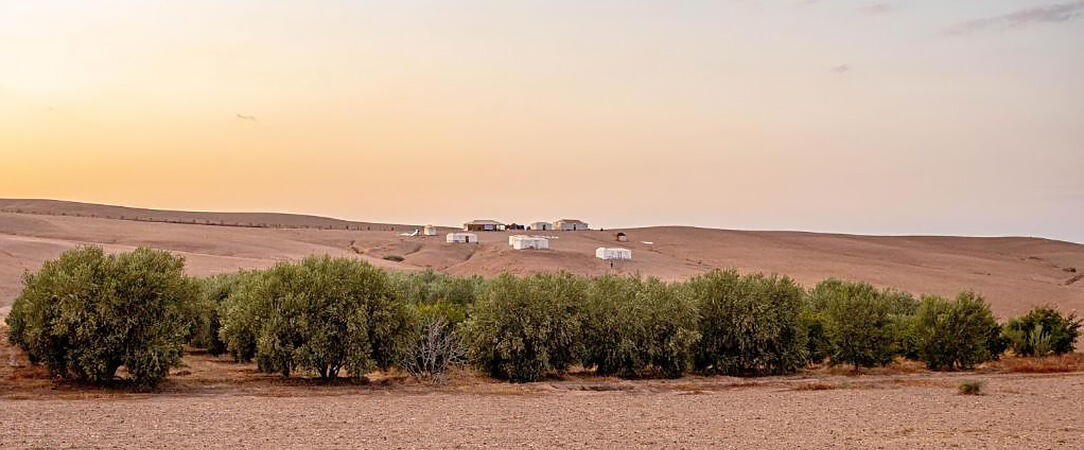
(88, 313)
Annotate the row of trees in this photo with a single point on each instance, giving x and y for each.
(88, 313)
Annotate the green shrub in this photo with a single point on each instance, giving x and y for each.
(524, 328)
(431, 287)
(1043, 331)
(633, 327)
(86, 314)
(864, 326)
(748, 324)
(321, 315)
(954, 334)
(818, 347)
(206, 316)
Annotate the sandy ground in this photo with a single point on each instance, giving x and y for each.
(212, 402)
(919, 410)
(1014, 273)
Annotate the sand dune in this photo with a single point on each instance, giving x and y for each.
(1014, 273)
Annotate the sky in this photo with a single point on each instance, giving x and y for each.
(872, 117)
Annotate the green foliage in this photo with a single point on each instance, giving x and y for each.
(954, 334)
(818, 347)
(1043, 331)
(524, 328)
(748, 324)
(321, 315)
(431, 287)
(632, 327)
(863, 326)
(205, 318)
(86, 314)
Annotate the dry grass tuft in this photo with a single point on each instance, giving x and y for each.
(1072, 362)
(971, 387)
(816, 386)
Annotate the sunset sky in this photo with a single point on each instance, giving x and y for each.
(895, 117)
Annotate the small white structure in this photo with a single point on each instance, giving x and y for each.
(569, 225)
(613, 253)
(540, 226)
(462, 238)
(521, 242)
(429, 230)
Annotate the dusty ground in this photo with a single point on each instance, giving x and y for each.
(1014, 273)
(214, 403)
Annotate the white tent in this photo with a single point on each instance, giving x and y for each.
(521, 242)
(462, 238)
(429, 230)
(541, 226)
(613, 253)
(569, 225)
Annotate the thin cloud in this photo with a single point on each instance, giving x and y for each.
(842, 68)
(1062, 12)
(244, 117)
(879, 8)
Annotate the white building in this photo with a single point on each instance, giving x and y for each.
(462, 238)
(540, 226)
(570, 225)
(521, 242)
(429, 230)
(483, 225)
(613, 253)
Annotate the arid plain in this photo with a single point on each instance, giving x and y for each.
(212, 402)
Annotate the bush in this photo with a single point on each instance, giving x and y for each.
(970, 387)
(633, 327)
(524, 328)
(748, 324)
(436, 348)
(954, 334)
(431, 287)
(86, 314)
(206, 316)
(818, 347)
(321, 315)
(863, 326)
(1043, 331)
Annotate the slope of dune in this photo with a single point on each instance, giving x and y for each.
(1014, 273)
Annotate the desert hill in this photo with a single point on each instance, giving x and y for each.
(1014, 273)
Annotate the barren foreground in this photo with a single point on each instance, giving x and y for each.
(1036, 411)
(216, 403)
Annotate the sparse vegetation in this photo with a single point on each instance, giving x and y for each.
(87, 313)
(971, 387)
(436, 348)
